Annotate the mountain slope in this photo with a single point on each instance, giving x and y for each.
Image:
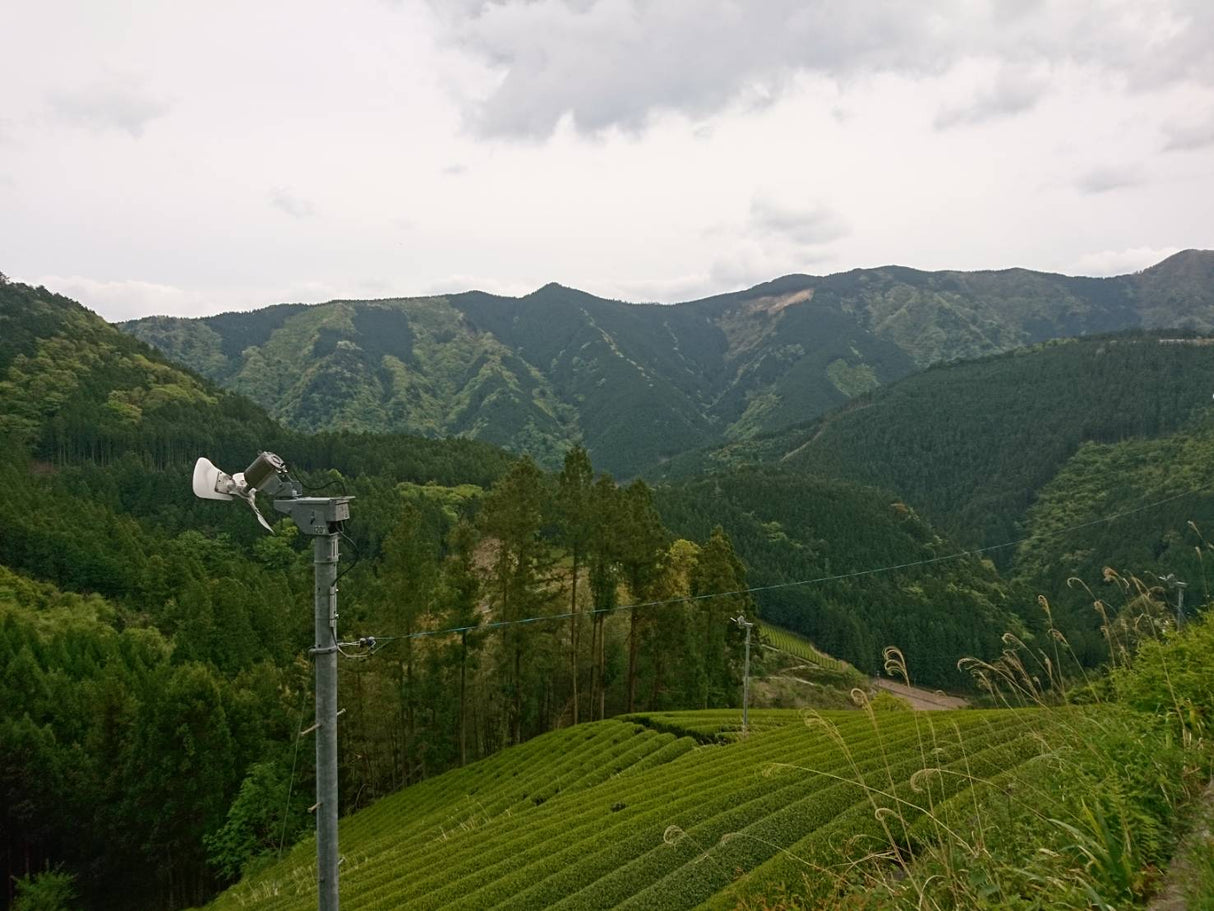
(790, 528)
(972, 444)
(1161, 491)
(640, 383)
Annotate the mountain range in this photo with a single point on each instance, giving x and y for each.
(641, 383)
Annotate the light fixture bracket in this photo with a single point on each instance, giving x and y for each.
(316, 515)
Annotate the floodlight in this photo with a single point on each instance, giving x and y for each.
(268, 473)
(210, 483)
(265, 474)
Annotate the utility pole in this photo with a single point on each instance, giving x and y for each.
(1177, 586)
(320, 518)
(741, 620)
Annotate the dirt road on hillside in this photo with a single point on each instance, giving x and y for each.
(921, 700)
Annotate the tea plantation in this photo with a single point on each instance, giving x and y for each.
(790, 643)
(660, 811)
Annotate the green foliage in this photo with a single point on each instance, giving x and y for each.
(255, 824)
(1173, 677)
(972, 444)
(789, 528)
(104, 722)
(1043, 809)
(51, 890)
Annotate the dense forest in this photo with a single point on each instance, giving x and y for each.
(971, 444)
(791, 529)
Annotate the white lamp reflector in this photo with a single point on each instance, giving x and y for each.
(207, 479)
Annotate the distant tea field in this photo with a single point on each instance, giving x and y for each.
(668, 811)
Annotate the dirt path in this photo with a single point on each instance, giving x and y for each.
(921, 700)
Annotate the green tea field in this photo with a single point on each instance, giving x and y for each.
(669, 811)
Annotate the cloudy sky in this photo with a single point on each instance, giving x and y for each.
(186, 158)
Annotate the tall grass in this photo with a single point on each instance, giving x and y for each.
(1088, 821)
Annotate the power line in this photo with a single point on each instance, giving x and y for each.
(381, 641)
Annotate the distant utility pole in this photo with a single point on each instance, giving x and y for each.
(741, 620)
(1177, 586)
(321, 518)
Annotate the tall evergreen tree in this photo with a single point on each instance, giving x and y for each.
(603, 552)
(407, 578)
(573, 500)
(718, 581)
(512, 515)
(643, 543)
(459, 598)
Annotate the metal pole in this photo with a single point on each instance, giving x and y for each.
(741, 620)
(1177, 586)
(746, 686)
(324, 654)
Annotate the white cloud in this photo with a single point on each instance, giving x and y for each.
(286, 201)
(614, 63)
(117, 101)
(118, 300)
(1189, 135)
(1105, 178)
(1012, 91)
(670, 149)
(812, 224)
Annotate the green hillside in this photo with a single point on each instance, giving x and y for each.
(1163, 489)
(642, 383)
(790, 527)
(617, 815)
(972, 444)
(659, 811)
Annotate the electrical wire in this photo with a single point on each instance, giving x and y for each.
(286, 813)
(357, 554)
(339, 480)
(497, 624)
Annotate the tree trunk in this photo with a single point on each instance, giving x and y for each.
(633, 643)
(573, 634)
(411, 730)
(594, 663)
(602, 662)
(463, 714)
(518, 691)
(657, 680)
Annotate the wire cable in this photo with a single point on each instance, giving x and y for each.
(338, 480)
(357, 554)
(286, 813)
(497, 624)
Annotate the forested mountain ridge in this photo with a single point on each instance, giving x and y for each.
(1062, 459)
(641, 383)
(971, 444)
(803, 537)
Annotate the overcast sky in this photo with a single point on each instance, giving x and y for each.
(187, 158)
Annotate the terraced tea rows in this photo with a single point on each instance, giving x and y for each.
(799, 647)
(649, 812)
